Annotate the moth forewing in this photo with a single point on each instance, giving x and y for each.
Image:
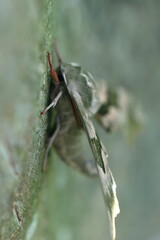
(100, 156)
(109, 191)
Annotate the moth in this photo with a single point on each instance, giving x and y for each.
(75, 99)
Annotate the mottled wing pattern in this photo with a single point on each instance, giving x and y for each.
(101, 158)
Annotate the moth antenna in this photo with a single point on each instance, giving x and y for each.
(52, 71)
(57, 52)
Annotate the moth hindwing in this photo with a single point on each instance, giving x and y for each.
(76, 101)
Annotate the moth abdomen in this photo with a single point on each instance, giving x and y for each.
(71, 152)
(68, 145)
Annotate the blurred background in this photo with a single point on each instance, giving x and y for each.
(115, 40)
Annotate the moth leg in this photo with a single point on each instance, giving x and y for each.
(49, 144)
(53, 103)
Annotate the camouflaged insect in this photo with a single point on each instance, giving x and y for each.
(76, 99)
